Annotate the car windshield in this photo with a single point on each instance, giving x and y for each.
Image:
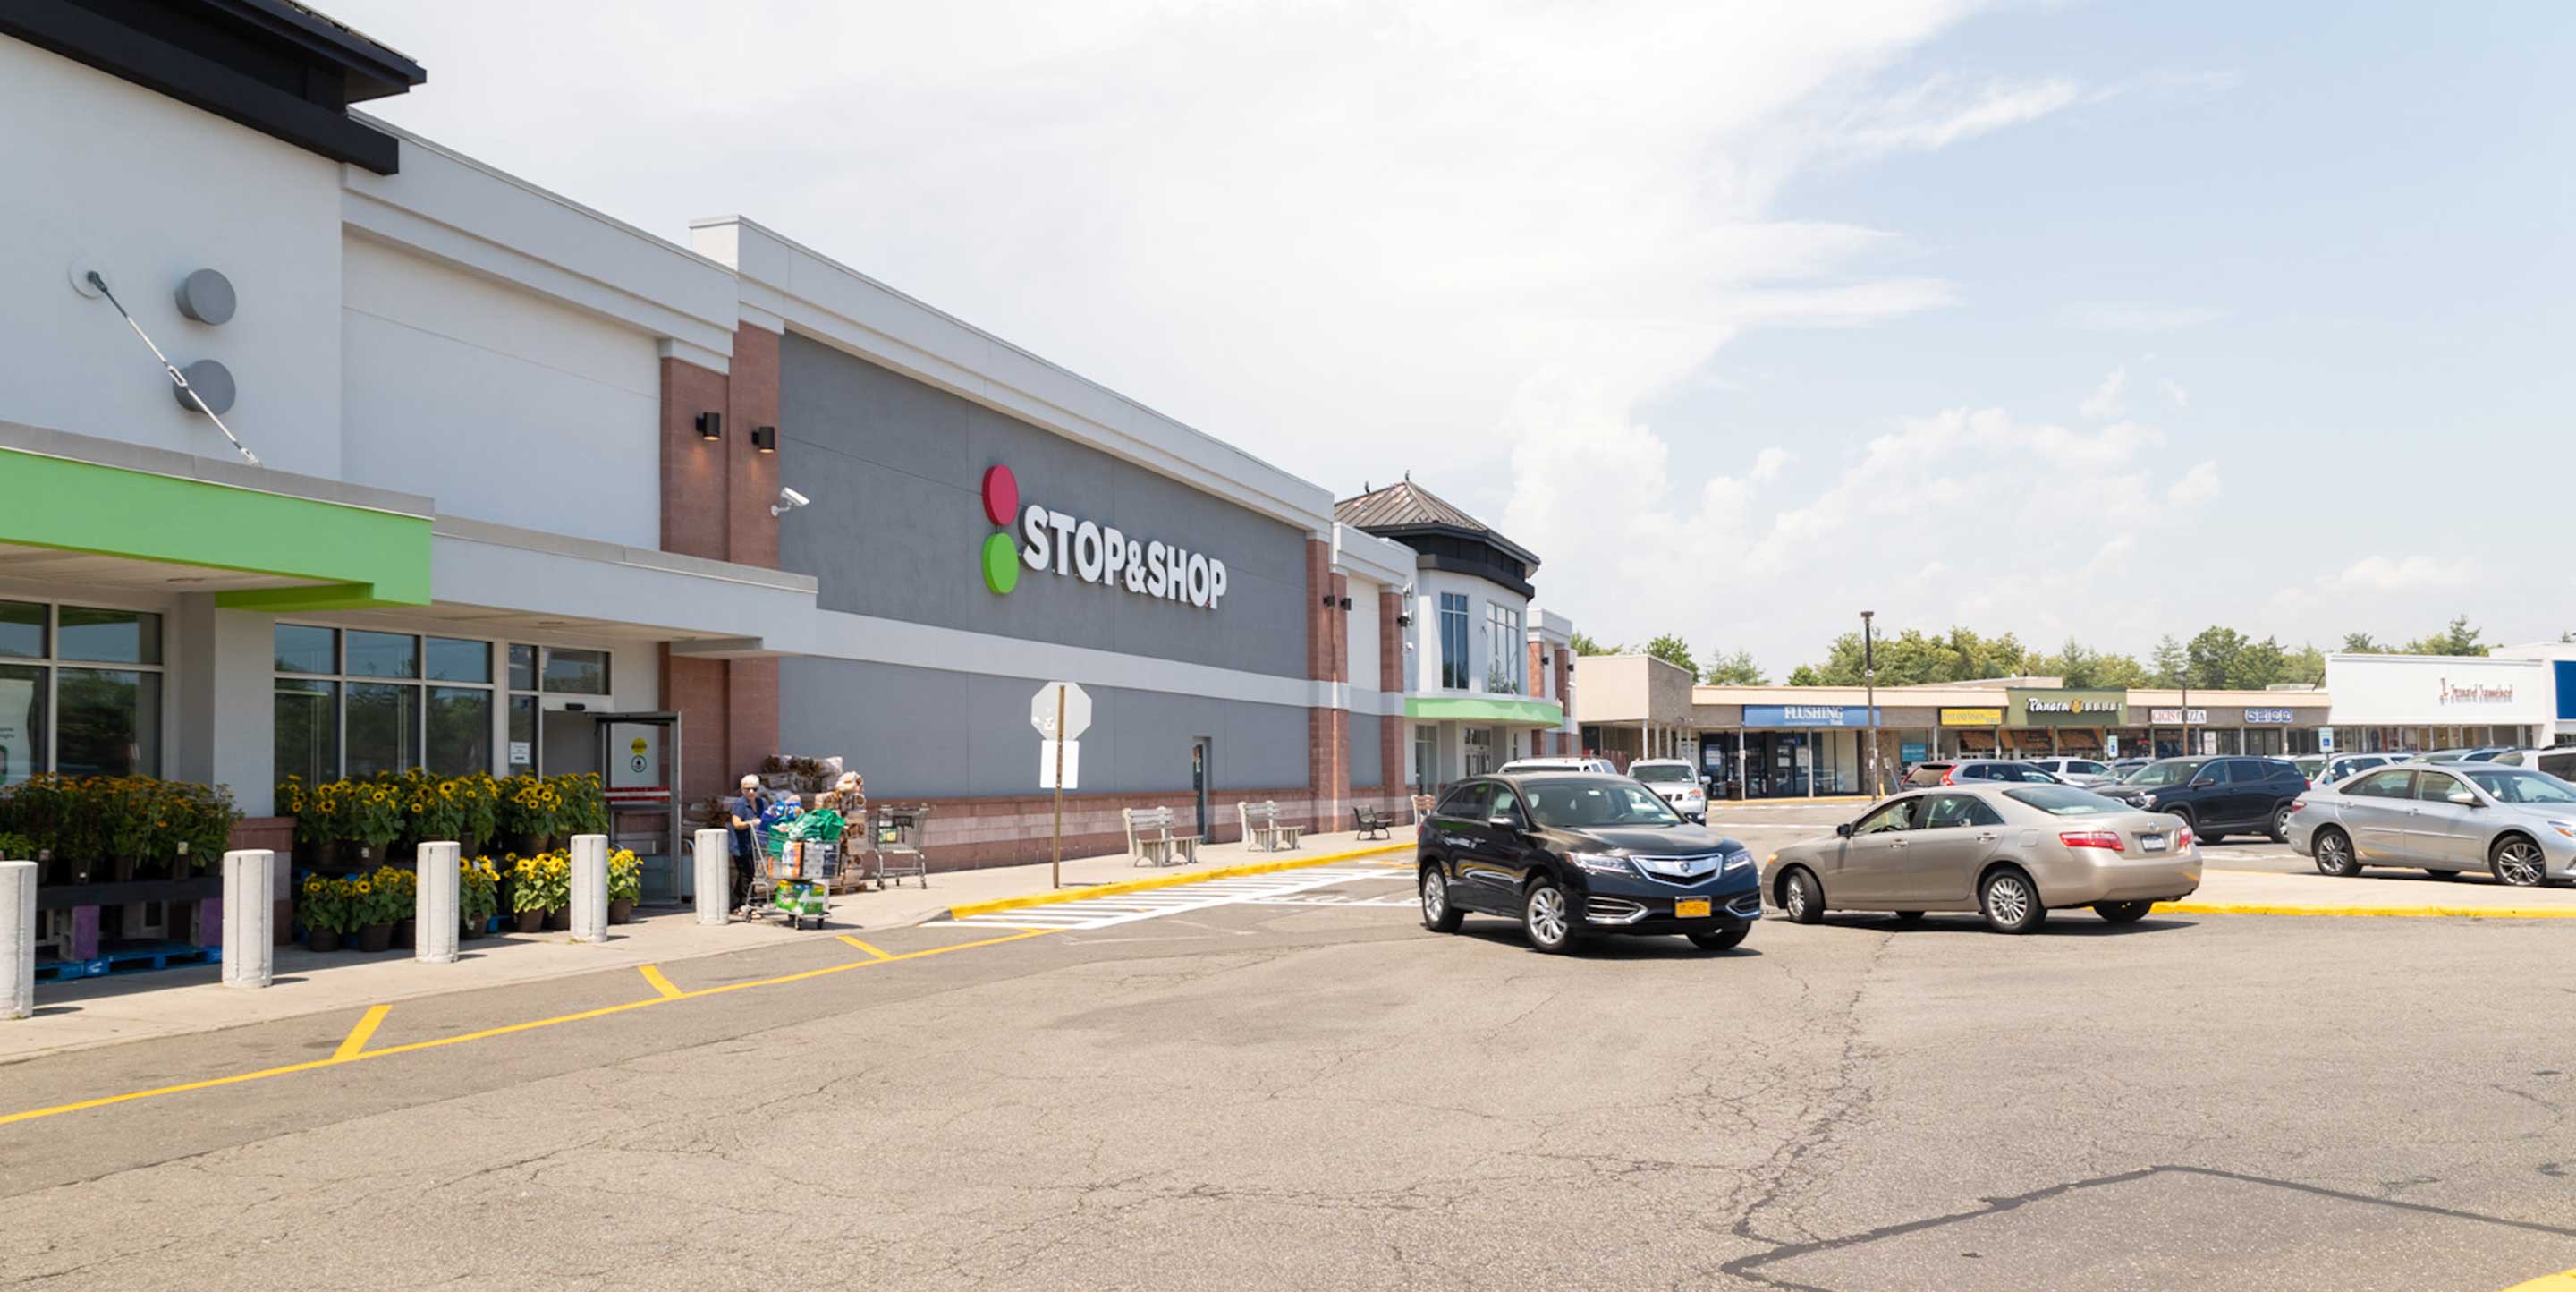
(2172, 771)
(1669, 772)
(1587, 804)
(2509, 786)
(2065, 800)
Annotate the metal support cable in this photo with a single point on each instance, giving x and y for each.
(177, 377)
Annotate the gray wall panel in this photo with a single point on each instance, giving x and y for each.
(930, 733)
(897, 527)
(1366, 766)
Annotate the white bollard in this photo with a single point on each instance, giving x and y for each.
(590, 888)
(433, 919)
(714, 857)
(250, 917)
(17, 938)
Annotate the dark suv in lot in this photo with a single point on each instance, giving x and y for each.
(2217, 797)
(1573, 855)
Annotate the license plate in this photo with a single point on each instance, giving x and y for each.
(2152, 843)
(1690, 908)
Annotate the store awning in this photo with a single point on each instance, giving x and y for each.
(1501, 710)
(71, 520)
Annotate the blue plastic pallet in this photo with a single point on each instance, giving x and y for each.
(144, 959)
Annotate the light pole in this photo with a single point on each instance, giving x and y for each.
(1869, 692)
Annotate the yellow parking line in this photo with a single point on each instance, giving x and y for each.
(1123, 886)
(2562, 1282)
(865, 947)
(353, 1049)
(356, 1042)
(2425, 912)
(653, 975)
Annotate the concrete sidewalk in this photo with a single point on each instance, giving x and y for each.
(177, 1002)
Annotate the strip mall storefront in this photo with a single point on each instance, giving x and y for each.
(2421, 703)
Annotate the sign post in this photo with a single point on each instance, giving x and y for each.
(1060, 711)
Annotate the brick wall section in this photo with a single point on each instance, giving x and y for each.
(969, 833)
(694, 472)
(1561, 665)
(696, 689)
(1394, 753)
(1328, 773)
(751, 533)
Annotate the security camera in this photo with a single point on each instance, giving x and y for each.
(788, 500)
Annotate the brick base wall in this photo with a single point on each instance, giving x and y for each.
(971, 833)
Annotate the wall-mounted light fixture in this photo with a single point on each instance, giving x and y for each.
(1328, 601)
(765, 438)
(1404, 621)
(711, 426)
(1346, 603)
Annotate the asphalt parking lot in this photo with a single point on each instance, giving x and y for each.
(1300, 1088)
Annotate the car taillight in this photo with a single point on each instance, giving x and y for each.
(2296, 804)
(1947, 774)
(2182, 839)
(2107, 840)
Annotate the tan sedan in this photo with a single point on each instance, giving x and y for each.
(2007, 851)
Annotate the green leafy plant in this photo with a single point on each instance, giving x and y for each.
(625, 876)
(478, 887)
(327, 904)
(542, 883)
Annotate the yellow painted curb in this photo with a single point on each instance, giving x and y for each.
(2565, 1282)
(2473, 912)
(1168, 881)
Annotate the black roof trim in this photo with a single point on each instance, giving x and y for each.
(388, 71)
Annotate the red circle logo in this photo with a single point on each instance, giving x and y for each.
(1001, 494)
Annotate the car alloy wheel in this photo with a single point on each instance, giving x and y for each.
(2011, 904)
(2334, 855)
(1801, 899)
(2518, 862)
(1544, 914)
(2281, 826)
(1437, 915)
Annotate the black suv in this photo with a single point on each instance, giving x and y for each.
(1570, 855)
(2217, 797)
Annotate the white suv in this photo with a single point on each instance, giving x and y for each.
(1520, 765)
(1677, 781)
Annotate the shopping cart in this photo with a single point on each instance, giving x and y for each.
(792, 876)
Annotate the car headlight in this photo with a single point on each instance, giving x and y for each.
(2146, 800)
(1738, 861)
(1601, 863)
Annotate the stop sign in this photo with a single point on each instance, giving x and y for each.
(1077, 711)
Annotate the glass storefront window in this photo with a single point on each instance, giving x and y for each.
(302, 648)
(110, 721)
(580, 672)
(523, 667)
(523, 732)
(109, 636)
(384, 726)
(1453, 641)
(383, 655)
(308, 730)
(460, 729)
(453, 660)
(22, 629)
(22, 721)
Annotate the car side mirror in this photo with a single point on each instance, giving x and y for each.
(1503, 821)
(2464, 798)
(2202, 782)
(1844, 830)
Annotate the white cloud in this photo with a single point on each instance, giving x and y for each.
(1942, 110)
(2141, 316)
(2197, 486)
(2381, 574)
(2105, 400)
(2173, 390)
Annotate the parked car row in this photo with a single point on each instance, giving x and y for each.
(2516, 823)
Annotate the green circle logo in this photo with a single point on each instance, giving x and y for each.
(1001, 563)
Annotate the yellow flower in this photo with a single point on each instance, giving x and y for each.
(363, 888)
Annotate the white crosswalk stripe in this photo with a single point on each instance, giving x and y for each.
(1122, 908)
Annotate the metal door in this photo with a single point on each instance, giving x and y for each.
(2376, 810)
(1944, 854)
(2441, 831)
(640, 753)
(1199, 753)
(1875, 855)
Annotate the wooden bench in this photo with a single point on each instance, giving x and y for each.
(1261, 828)
(1151, 842)
(1369, 821)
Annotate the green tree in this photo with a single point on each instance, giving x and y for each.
(2307, 665)
(2210, 661)
(1737, 669)
(2457, 639)
(1805, 675)
(2081, 666)
(2362, 644)
(2169, 664)
(1670, 648)
(1584, 645)
(1913, 658)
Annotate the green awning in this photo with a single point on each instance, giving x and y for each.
(1485, 708)
(341, 557)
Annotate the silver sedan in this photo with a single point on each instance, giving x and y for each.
(2007, 851)
(2516, 824)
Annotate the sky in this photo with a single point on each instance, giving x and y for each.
(2085, 320)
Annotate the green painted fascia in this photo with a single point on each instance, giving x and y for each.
(1484, 708)
(365, 557)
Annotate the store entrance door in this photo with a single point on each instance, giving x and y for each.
(1200, 750)
(641, 755)
(1776, 764)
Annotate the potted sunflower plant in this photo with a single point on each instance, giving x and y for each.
(374, 911)
(540, 889)
(478, 884)
(322, 907)
(400, 888)
(625, 885)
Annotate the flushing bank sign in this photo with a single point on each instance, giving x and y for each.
(1072, 547)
